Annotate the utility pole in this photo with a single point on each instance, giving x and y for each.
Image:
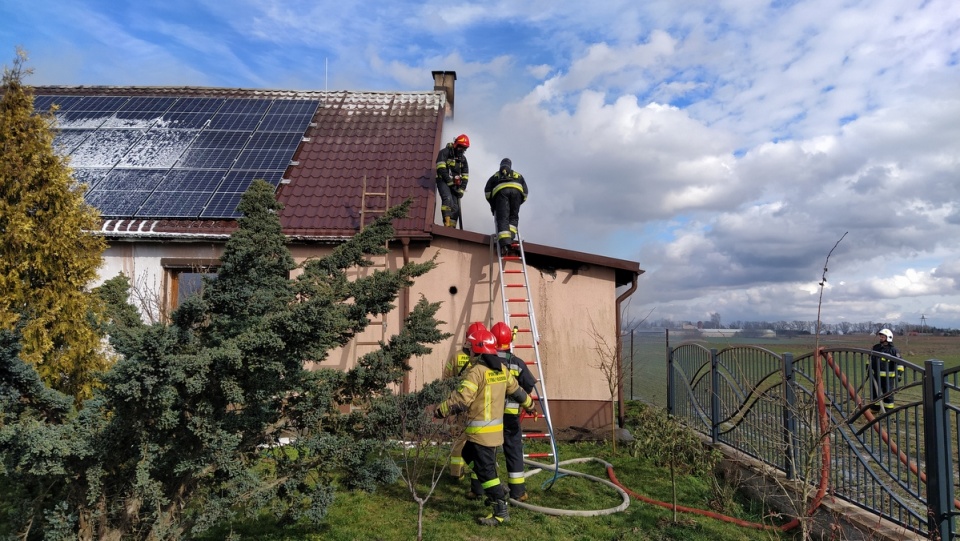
(923, 323)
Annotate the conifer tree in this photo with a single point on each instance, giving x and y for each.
(183, 433)
(47, 256)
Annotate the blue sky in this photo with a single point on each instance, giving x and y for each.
(726, 146)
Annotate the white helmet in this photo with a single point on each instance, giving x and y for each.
(887, 333)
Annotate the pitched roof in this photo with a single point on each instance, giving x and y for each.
(357, 144)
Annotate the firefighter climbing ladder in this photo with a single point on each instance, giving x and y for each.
(518, 313)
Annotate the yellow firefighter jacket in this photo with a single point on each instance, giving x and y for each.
(481, 394)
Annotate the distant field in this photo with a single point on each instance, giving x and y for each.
(646, 374)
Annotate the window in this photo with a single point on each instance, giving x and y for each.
(184, 277)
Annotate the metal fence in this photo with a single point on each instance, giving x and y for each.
(810, 417)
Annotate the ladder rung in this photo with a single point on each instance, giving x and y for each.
(538, 455)
(517, 300)
(524, 346)
(514, 271)
(520, 315)
(516, 285)
(511, 258)
(537, 435)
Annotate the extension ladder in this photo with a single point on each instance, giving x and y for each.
(518, 313)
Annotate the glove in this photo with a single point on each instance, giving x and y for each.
(459, 193)
(437, 414)
(529, 406)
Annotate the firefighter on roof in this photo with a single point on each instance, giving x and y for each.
(506, 190)
(453, 173)
(512, 436)
(481, 394)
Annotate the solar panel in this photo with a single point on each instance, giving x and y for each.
(133, 179)
(235, 122)
(68, 140)
(191, 180)
(223, 205)
(285, 123)
(239, 181)
(208, 158)
(104, 148)
(263, 159)
(159, 148)
(174, 204)
(169, 157)
(89, 176)
(116, 203)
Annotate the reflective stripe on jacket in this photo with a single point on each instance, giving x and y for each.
(482, 394)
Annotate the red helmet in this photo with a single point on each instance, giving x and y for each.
(501, 331)
(461, 141)
(483, 341)
(474, 327)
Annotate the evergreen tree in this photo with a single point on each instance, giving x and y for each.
(47, 256)
(182, 435)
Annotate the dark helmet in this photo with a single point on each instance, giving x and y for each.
(501, 331)
(462, 141)
(506, 165)
(483, 341)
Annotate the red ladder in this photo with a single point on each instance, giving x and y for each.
(518, 313)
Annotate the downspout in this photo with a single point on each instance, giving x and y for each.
(405, 309)
(620, 299)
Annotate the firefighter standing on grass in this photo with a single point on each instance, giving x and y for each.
(884, 372)
(453, 173)
(512, 436)
(481, 394)
(455, 369)
(506, 190)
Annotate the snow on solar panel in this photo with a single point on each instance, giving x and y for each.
(168, 157)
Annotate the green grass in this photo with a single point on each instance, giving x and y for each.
(391, 514)
(647, 378)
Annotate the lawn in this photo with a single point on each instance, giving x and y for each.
(390, 513)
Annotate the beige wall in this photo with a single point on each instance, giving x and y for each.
(572, 310)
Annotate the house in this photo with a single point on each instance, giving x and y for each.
(166, 167)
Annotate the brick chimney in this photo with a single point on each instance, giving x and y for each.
(446, 81)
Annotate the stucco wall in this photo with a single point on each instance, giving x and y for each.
(572, 309)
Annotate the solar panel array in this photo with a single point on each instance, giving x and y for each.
(169, 157)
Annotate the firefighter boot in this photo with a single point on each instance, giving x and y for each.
(499, 515)
(448, 222)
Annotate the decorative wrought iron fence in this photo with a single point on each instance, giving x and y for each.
(830, 420)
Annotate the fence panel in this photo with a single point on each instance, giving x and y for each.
(767, 405)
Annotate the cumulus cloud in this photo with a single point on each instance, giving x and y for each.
(727, 146)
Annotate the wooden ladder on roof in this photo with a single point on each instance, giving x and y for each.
(371, 210)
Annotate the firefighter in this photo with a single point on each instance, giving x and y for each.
(453, 173)
(454, 369)
(506, 190)
(884, 372)
(512, 437)
(482, 394)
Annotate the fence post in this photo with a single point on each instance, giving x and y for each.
(714, 397)
(936, 439)
(789, 420)
(670, 390)
(633, 361)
